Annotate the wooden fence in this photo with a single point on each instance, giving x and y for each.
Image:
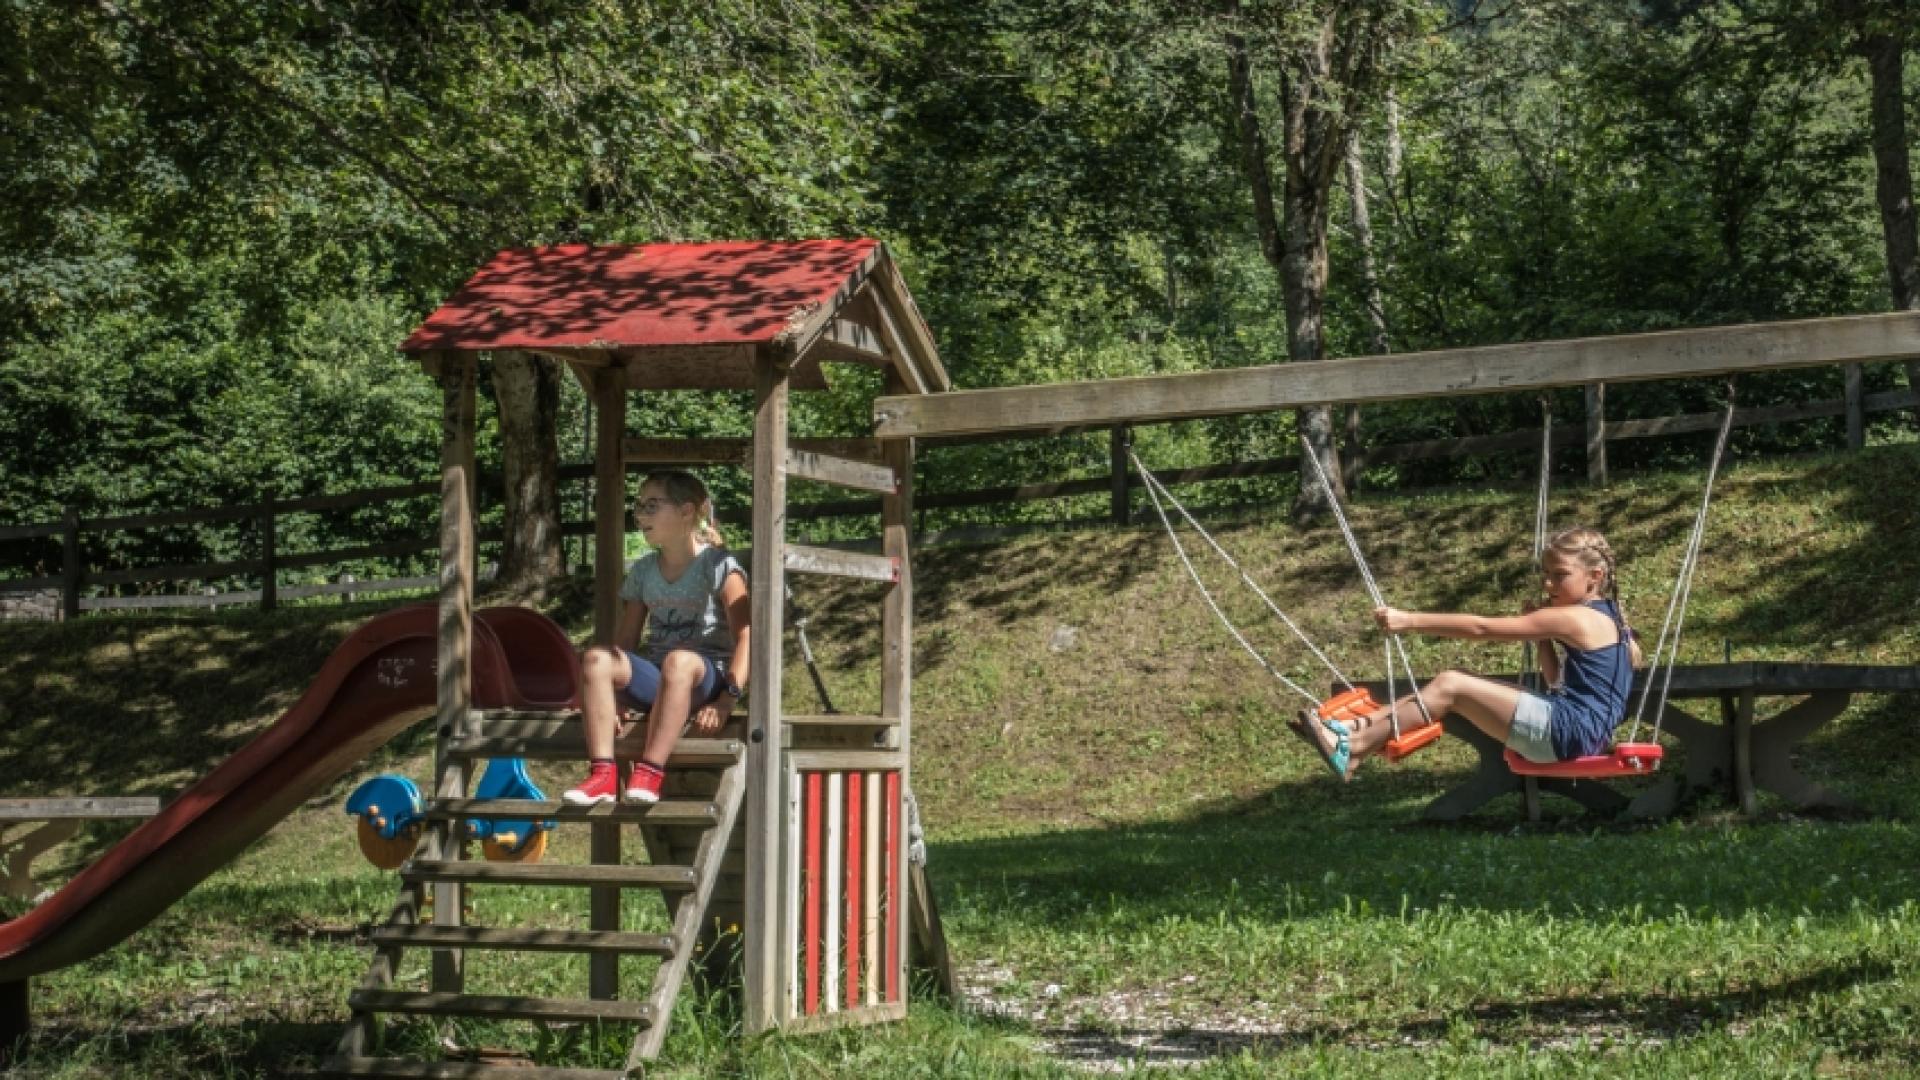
(1118, 484)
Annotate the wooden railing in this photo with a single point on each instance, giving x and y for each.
(1119, 484)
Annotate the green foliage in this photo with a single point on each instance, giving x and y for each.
(221, 217)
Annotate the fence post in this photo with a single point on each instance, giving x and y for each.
(70, 568)
(1597, 434)
(1119, 441)
(1856, 408)
(269, 575)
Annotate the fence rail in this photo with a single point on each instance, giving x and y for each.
(1118, 484)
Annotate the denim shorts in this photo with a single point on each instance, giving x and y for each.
(1532, 734)
(644, 686)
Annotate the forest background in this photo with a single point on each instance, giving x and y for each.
(217, 220)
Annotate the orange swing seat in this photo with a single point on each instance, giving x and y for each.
(1358, 704)
(1627, 759)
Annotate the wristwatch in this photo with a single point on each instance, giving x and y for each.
(730, 687)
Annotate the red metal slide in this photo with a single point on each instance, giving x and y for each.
(377, 683)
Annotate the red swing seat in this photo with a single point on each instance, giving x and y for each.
(1358, 704)
(1627, 759)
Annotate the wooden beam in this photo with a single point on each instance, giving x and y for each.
(454, 689)
(609, 564)
(912, 380)
(841, 472)
(1674, 354)
(819, 560)
(896, 661)
(766, 934)
(928, 371)
(82, 808)
(738, 451)
(848, 342)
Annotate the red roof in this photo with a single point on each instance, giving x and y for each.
(645, 295)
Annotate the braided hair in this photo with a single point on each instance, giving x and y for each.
(1590, 549)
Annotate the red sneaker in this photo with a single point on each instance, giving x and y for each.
(643, 783)
(598, 787)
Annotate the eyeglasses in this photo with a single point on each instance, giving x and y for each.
(649, 507)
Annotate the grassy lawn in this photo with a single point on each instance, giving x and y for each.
(1137, 864)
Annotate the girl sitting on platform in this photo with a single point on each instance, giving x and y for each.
(692, 598)
(1576, 718)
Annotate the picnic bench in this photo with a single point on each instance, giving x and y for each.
(1741, 755)
(57, 821)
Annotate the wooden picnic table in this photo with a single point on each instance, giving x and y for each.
(1741, 755)
(58, 821)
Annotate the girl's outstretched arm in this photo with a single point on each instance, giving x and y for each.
(1533, 626)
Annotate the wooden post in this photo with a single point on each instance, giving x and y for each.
(896, 636)
(765, 965)
(71, 571)
(1856, 408)
(609, 564)
(269, 574)
(455, 653)
(1740, 712)
(1597, 434)
(1119, 441)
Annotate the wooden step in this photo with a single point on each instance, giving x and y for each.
(664, 812)
(559, 741)
(524, 940)
(459, 1070)
(473, 871)
(498, 1007)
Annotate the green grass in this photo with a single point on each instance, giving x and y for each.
(1136, 863)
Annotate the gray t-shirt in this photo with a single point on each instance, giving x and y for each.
(685, 613)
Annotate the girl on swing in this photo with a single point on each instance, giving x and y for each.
(1576, 718)
(692, 598)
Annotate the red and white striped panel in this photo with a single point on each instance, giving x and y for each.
(849, 891)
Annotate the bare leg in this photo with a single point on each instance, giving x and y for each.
(1487, 704)
(602, 671)
(680, 672)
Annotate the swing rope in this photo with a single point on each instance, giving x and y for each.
(1154, 492)
(1373, 591)
(1676, 615)
(1527, 675)
(1154, 484)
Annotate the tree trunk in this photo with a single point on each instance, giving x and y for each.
(1380, 344)
(1314, 140)
(528, 390)
(1884, 48)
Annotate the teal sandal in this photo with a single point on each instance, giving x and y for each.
(1342, 754)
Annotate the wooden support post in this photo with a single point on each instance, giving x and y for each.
(71, 571)
(269, 573)
(766, 966)
(896, 644)
(609, 559)
(455, 653)
(1597, 434)
(1738, 709)
(1856, 408)
(1119, 441)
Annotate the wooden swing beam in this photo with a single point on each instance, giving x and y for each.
(1491, 369)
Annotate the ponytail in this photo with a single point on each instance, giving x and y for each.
(708, 531)
(682, 488)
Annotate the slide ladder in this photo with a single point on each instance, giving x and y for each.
(687, 836)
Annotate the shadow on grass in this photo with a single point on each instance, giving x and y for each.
(200, 1047)
(147, 705)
